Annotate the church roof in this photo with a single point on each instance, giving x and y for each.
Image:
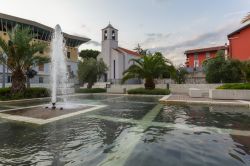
(109, 26)
(122, 50)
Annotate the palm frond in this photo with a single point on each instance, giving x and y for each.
(4, 46)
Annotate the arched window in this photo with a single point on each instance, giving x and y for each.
(105, 35)
(113, 35)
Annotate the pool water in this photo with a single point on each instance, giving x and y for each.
(131, 131)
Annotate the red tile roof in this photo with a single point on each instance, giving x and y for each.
(217, 48)
(120, 49)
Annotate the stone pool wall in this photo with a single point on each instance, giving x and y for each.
(175, 88)
(229, 94)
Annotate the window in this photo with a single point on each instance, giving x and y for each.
(113, 35)
(105, 77)
(40, 80)
(105, 35)
(41, 67)
(68, 54)
(196, 56)
(196, 63)
(41, 52)
(207, 55)
(114, 69)
(9, 79)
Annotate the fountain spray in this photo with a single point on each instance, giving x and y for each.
(58, 66)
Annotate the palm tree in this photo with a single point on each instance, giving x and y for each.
(22, 54)
(246, 18)
(148, 67)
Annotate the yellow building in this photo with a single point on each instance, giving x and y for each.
(41, 33)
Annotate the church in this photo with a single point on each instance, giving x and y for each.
(116, 58)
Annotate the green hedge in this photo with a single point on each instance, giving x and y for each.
(239, 86)
(149, 92)
(5, 94)
(92, 90)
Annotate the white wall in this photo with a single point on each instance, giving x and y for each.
(183, 88)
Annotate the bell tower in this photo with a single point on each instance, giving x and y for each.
(109, 42)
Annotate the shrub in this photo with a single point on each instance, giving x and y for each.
(5, 93)
(245, 86)
(220, 70)
(36, 92)
(149, 91)
(92, 90)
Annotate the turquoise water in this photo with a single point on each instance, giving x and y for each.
(131, 131)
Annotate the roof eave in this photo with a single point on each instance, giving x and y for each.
(238, 30)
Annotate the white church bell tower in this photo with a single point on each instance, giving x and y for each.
(109, 42)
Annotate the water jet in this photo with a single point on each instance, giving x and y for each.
(58, 66)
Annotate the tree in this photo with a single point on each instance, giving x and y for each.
(90, 70)
(22, 54)
(231, 71)
(212, 68)
(148, 67)
(246, 18)
(140, 51)
(219, 70)
(245, 67)
(86, 54)
(179, 75)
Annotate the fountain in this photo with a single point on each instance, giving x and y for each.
(58, 66)
(58, 85)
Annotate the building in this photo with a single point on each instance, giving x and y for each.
(238, 48)
(116, 58)
(194, 60)
(195, 57)
(42, 33)
(239, 43)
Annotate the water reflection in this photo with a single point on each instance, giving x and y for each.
(83, 141)
(180, 147)
(216, 116)
(172, 139)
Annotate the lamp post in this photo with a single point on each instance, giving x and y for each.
(4, 67)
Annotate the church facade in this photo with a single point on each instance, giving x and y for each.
(116, 58)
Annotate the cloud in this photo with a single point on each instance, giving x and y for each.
(93, 42)
(141, 25)
(160, 3)
(85, 28)
(154, 38)
(236, 13)
(175, 52)
(159, 35)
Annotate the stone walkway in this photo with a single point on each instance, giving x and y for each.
(185, 99)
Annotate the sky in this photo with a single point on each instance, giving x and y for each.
(169, 26)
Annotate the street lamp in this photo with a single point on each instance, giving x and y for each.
(4, 67)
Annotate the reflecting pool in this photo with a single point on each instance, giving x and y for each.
(131, 131)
